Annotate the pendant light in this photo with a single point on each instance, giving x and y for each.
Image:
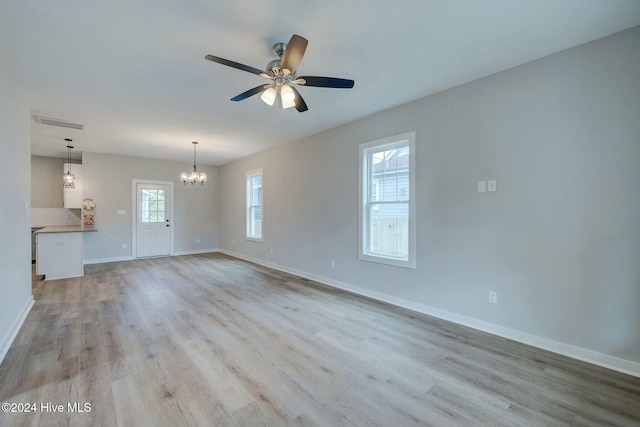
(68, 179)
(195, 176)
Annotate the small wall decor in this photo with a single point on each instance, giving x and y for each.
(88, 210)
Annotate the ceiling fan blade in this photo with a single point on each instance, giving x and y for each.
(234, 64)
(256, 90)
(332, 82)
(301, 106)
(293, 53)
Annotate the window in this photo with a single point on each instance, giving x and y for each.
(152, 206)
(387, 218)
(254, 205)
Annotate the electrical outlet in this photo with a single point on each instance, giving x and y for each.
(493, 297)
(124, 246)
(198, 241)
(271, 251)
(333, 263)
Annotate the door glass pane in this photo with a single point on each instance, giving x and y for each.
(153, 205)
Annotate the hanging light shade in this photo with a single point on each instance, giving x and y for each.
(269, 96)
(287, 94)
(194, 177)
(288, 97)
(68, 179)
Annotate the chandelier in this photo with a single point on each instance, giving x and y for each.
(194, 177)
(68, 179)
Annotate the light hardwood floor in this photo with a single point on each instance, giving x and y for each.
(209, 340)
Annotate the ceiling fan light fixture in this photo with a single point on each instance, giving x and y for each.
(269, 96)
(287, 94)
(288, 104)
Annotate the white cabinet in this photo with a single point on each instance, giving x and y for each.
(73, 196)
(59, 255)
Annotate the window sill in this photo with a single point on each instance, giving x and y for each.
(411, 263)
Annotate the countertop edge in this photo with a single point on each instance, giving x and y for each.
(66, 229)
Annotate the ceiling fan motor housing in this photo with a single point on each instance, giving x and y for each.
(274, 66)
(279, 48)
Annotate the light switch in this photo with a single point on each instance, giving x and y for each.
(493, 185)
(493, 297)
(482, 186)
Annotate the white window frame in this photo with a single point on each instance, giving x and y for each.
(365, 195)
(250, 175)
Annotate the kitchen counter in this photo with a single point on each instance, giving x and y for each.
(60, 251)
(66, 229)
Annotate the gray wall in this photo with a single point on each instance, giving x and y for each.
(108, 181)
(560, 239)
(15, 234)
(46, 182)
(46, 178)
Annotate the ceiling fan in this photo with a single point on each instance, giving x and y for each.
(282, 73)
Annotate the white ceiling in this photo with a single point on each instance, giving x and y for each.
(134, 73)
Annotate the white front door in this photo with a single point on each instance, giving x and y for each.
(153, 223)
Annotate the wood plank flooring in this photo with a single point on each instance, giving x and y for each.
(209, 340)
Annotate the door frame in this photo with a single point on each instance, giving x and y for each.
(134, 213)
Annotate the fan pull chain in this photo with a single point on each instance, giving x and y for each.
(280, 107)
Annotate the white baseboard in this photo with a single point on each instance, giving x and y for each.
(196, 252)
(130, 257)
(579, 353)
(15, 328)
(105, 260)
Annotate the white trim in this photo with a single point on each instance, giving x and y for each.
(15, 328)
(132, 258)
(249, 202)
(106, 260)
(134, 210)
(611, 362)
(402, 140)
(195, 252)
